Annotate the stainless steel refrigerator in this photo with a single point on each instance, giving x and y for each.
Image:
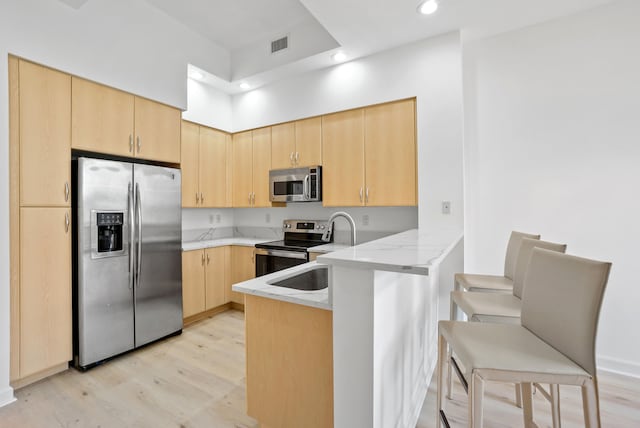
(128, 285)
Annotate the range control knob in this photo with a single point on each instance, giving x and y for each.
(322, 227)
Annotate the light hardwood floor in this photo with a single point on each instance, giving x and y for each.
(197, 380)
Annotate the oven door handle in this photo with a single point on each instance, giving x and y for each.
(282, 253)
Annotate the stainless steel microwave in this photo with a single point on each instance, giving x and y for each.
(296, 184)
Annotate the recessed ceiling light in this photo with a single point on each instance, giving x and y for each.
(244, 85)
(428, 7)
(196, 75)
(339, 56)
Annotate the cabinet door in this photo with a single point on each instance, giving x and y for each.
(101, 118)
(45, 289)
(242, 169)
(343, 158)
(213, 168)
(189, 148)
(390, 154)
(45, 136)
(216, 273)
(261, 167)
(193, 289)
(309, 142)
(157, 131)
(242, 268)
(283, 145)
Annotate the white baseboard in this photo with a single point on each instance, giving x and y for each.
(618, 366)
(6, 396)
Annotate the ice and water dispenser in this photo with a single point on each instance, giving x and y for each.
(108, 234)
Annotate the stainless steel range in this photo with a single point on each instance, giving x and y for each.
(299, 236)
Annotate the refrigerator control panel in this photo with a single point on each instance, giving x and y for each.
(108, 234)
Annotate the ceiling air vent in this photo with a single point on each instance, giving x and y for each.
(280, 44)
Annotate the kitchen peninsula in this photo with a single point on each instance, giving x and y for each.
(371, 335)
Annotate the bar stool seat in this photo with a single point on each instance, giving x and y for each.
(500, 305)
(522, 356)
(489, 283)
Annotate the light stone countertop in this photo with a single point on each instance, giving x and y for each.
(221, 242)
(413, 251)
(327, 248)
(259, 287)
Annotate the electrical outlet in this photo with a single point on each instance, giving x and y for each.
(210, 218)
(365, 220)
(218, 218)
(446, 207)
(267, 217)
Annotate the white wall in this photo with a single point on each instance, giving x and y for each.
(123, 43)
(208, 106)
(551, 146)
(429, 70)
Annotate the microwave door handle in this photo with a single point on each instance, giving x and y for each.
(305, 187)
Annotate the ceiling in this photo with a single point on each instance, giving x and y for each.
(318, 28)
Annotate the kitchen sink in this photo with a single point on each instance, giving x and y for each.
(316, 278)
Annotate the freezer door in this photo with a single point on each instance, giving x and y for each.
(105, 293)
(158, 288)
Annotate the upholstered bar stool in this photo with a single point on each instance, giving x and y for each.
(505, 309)
(492, 283)
(554, 344)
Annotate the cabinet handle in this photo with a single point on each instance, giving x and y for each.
(297, 157)
(138, 143)
(201, 198)
(208, 259)
(66, 191)
(361, 194)
(253, 199)
(66, 222)
(197, 198)
(291, 158)
(130, 143)
(366, 196)
(203, 258)
(249, 198)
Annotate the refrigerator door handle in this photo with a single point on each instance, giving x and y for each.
(139, 240)
(131, 234)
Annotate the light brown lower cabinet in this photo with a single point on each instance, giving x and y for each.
(289, 364)
(45, 289)
(205, 275)
(243, 267)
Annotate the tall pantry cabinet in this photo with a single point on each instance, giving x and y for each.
(40, 220)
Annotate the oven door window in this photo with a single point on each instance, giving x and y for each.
(268, 264)
(285, 188)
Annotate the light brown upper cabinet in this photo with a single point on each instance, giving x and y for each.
(390, 154)
(369, 156)
(157, 131)
(106, 120)
(343, 158)
(189, 164)
(101, 118)
(251, 165)
(44, 136)
(205, 164)
(296, 143)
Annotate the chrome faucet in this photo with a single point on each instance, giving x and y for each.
(326, 236)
